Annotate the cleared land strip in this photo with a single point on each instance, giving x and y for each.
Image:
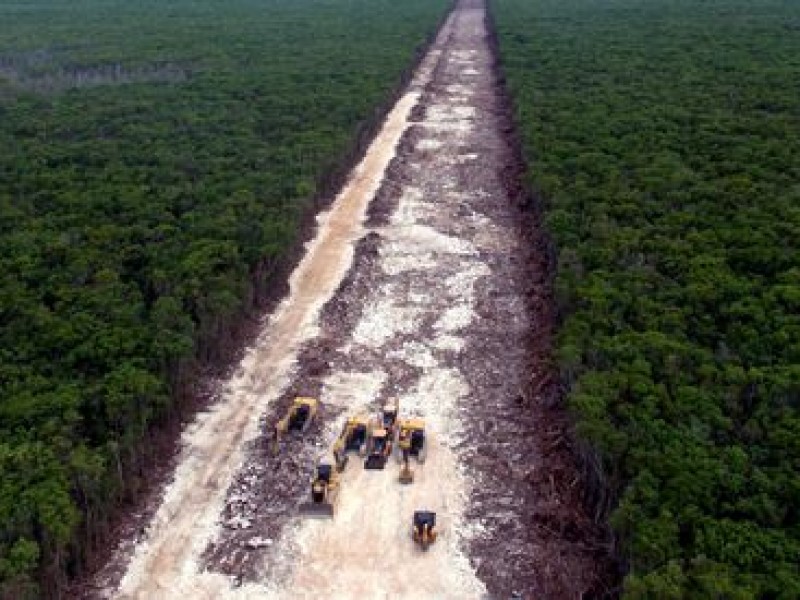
(417, 287)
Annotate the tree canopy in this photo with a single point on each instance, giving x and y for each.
(156, 160)
(663, 142)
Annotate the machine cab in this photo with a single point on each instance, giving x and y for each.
(380, 438)
(357, 435)
(324, 472)
(389, 416)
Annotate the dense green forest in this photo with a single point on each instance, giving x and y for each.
(156, 160)
(663, 140)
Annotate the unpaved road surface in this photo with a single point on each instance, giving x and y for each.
(416, 287)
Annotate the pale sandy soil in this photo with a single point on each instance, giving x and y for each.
(424, 301)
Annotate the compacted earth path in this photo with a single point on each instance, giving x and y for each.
(416, 287)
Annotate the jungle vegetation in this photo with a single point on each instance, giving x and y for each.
(156, 160)
(663, 142)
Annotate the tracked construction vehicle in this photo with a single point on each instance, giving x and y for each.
(353, 438)
(388, 417)
(413, 431)
(379, 448)
(412, 443)
(423, 528)
(324, 493)
(301, 414)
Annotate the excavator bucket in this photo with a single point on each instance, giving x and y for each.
(316, 510)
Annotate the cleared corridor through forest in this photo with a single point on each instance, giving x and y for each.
(413, 288)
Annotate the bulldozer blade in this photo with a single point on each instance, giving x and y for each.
(374, 463)
(316, 510)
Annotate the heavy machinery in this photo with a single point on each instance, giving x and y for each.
(406, 474)
(423, 528)
(411, 440)
(389, 416)
(379, 448)
(324, 492)
(413, 432)
(298, 418)
(352, 439)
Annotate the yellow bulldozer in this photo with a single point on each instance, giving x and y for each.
(352, 439)
(301, 414)
(423, 528)
(324, 492)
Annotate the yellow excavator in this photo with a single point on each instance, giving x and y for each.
(411, 440)
(298, 418)
(423, 528)
(352, 439)
(324, 492)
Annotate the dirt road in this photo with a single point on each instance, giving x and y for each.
(416, 287)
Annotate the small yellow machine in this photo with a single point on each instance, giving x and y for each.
(352, 439)
(406, 474)
(411, 440)
(299, 417)
(423, 528)
(324, 492)
(413, 431)
(379, 448)
(388, 416)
